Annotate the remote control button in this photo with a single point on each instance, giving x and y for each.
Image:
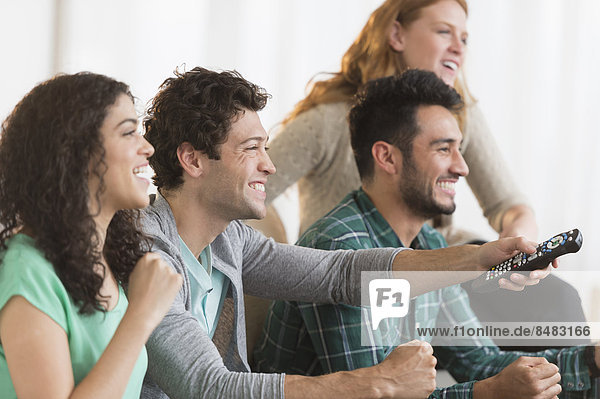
(555, 242)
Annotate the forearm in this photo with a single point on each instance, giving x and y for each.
(410, 265)
(407, 372)
(344, 384)
(316, 276)
(110, 375)
(464, 258)
(484, 389)
(519, 220)
(460, 258)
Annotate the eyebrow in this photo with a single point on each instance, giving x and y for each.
(443, 141)
(255, 138)
(465, 32)
(127, 120)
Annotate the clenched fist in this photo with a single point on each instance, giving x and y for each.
(525, 378)
(411, 370)
(153, 285)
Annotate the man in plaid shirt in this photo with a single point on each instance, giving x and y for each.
(406, 143)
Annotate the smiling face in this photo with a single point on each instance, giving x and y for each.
(126, 154)
(430, 174)
(436, 41)
(235, 184)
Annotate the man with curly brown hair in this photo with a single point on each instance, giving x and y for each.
(211, 169)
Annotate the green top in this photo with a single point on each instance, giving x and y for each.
(314, 339)
(26, 272)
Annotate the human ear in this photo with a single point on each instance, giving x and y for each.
(396, 37)
(189, 159)
(386, 157)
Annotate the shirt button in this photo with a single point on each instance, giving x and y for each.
(580, 385)
(570, 385)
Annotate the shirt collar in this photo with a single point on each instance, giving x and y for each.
(380, 228)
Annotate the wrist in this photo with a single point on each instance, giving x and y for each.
(346, 384)
(484, 389)
(519, 220)
(138, 320)
(479, 257)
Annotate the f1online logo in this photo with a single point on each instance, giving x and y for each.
(388, 298)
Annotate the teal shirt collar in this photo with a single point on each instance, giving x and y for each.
(200, 269)
(208, 287)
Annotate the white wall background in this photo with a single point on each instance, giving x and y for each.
(532, 64)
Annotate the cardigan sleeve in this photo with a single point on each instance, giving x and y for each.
(299, 147)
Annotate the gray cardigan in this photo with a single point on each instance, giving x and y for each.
(184, 362)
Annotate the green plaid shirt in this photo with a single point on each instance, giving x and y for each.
(311, 339)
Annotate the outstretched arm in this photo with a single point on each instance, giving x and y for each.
(465, 258)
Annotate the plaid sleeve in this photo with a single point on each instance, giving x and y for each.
(275, 352)
(464, 362)
(465, 391)
(310, 339)
(575, 375)
(335, 334)
(456, 391)
(483, 359)
(478, 363)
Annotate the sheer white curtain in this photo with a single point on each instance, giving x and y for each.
(532, 65)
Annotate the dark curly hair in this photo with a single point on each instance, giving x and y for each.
(46, 147)
(198, 107)
(385, 109)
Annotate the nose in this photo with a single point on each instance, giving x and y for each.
(459, 166)
(266, 165)
(146, 148)
(457, 46)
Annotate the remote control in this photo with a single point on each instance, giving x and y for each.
(546, 252)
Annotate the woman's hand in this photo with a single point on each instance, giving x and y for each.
(153, 285)
(519, 220)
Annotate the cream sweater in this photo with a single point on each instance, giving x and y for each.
(314, 150)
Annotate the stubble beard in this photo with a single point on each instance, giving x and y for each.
(418, 195)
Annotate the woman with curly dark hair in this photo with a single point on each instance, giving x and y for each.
(72, 168)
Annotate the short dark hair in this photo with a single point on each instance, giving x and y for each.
(386, 108)
(198, 107)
